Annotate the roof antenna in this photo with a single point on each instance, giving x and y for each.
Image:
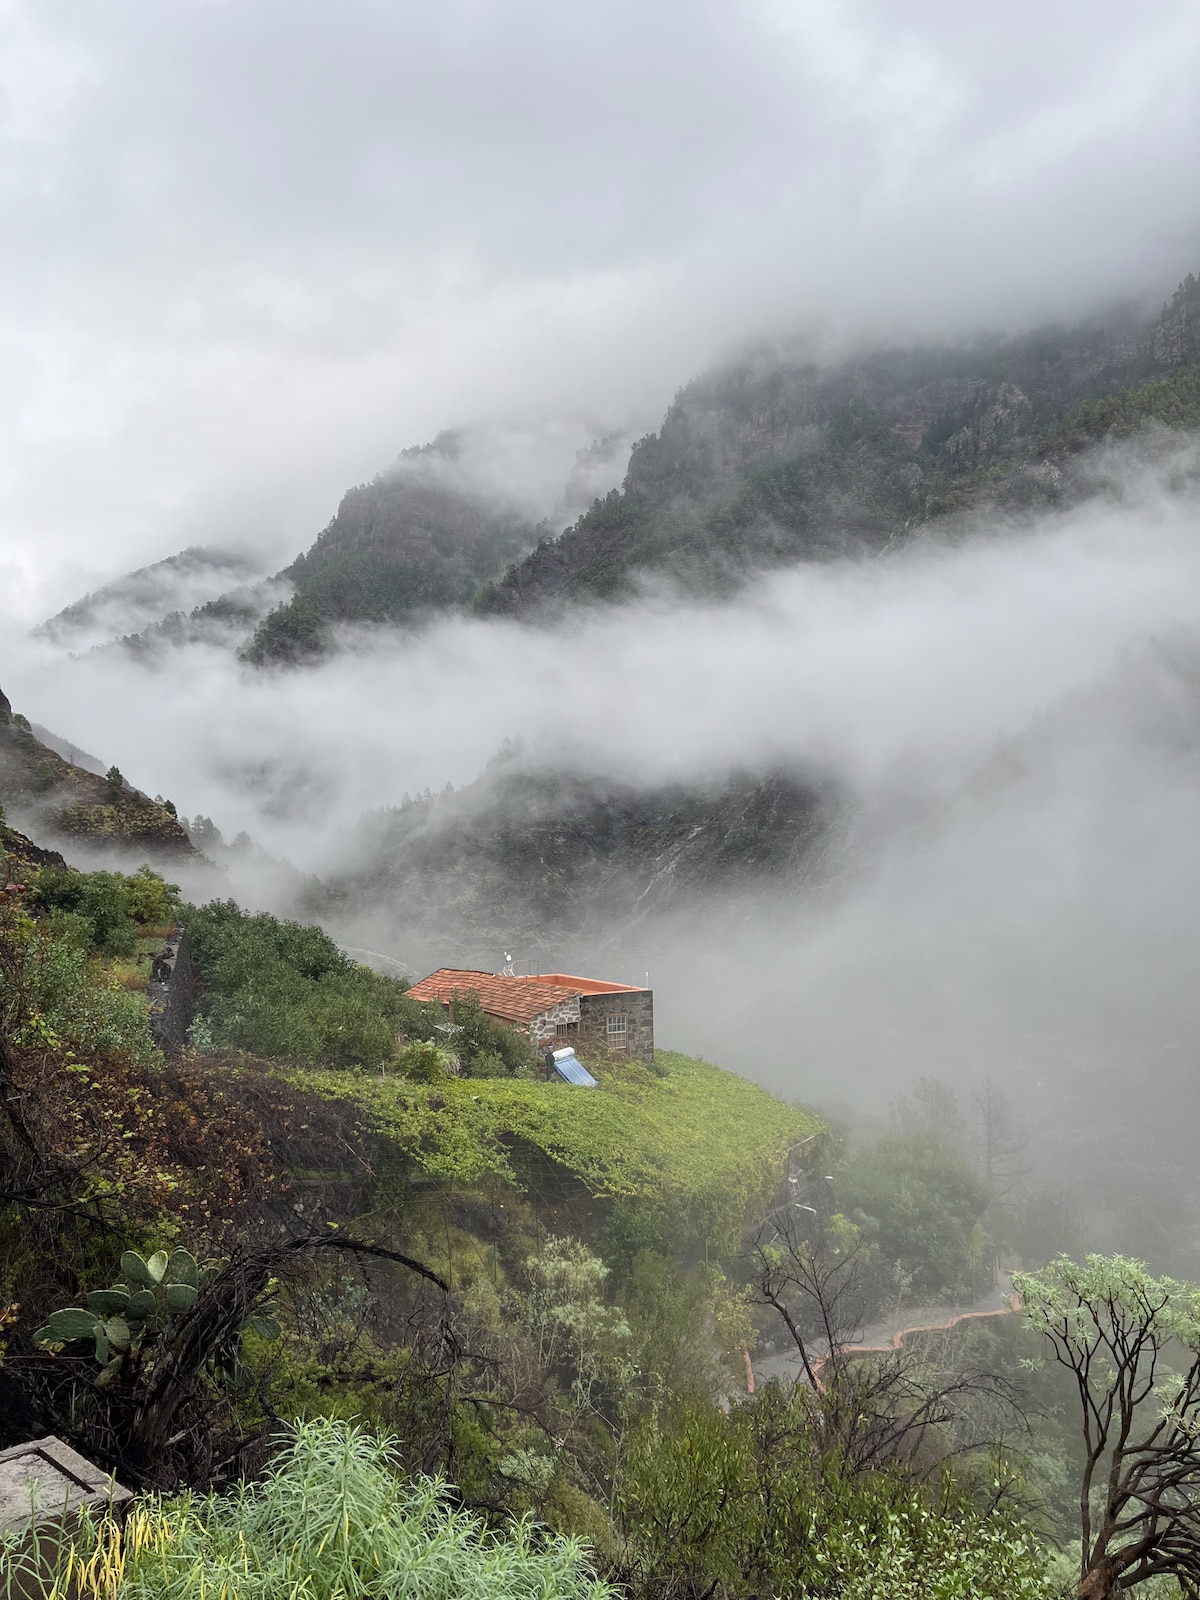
(509, 971)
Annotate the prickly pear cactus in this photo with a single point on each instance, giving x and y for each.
(128, 1323)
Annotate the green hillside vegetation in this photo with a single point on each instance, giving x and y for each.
(106, 913)
(544, 1297)
(284, 990)
(59, 987)
(335, 1517)
(688, 1152)
(281, 989)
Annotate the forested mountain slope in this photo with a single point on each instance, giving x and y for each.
(775, 460)
(191, 579)
(769, 460)
(405, 545)
(538, 855)
(766, 461)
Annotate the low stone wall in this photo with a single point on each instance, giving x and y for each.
(43, 1487)
(172, 991)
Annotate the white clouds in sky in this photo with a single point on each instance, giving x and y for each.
(253, 250)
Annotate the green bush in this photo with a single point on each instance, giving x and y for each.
(284, 989)
(424, 1062)
(52, 994)
(488, 1049)
(112, 904)
(750, 1503)
(334, 1519)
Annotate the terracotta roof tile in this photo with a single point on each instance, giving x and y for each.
(512, 999)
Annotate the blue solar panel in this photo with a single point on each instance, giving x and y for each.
(571, 1070)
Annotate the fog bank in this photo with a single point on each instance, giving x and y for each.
(1011, 714)
(902, 669)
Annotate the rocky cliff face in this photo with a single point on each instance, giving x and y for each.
(66, 804)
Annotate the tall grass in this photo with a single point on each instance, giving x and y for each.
(333, 1520)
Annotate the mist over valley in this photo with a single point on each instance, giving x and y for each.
(599, 824)
(920, 803)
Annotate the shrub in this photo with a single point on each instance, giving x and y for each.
(332, 1518)
(112, 904)
(920, 1202)
(424, 1062)
(50, 994)
(750, 1502)
(284, 989)
(488, 1049)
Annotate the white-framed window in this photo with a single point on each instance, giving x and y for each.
(616, 1030)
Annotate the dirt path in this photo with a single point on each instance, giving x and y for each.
(890, 1333)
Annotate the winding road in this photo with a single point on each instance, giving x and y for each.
(889, 1334)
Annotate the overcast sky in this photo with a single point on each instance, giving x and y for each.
(252, 249)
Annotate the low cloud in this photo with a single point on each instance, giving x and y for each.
(1010, 712)
(916, 662)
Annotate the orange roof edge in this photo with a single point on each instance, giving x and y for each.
(564, 980)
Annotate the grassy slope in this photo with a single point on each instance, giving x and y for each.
(697, 1142)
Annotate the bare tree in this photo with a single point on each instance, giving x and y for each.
(1132, 1345)
(1002, 1144)
(874, 1407)
(933, 1108)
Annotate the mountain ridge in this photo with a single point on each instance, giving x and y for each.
(765, 461)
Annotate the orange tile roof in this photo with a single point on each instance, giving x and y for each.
(512, 999)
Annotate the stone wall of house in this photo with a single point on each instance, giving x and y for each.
(544, 1027)
(172, 991)
(637, 1007)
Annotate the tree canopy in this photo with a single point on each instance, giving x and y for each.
(1132, 1344)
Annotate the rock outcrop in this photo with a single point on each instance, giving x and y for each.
(62, 802)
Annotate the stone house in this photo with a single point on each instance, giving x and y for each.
(555, 1008)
